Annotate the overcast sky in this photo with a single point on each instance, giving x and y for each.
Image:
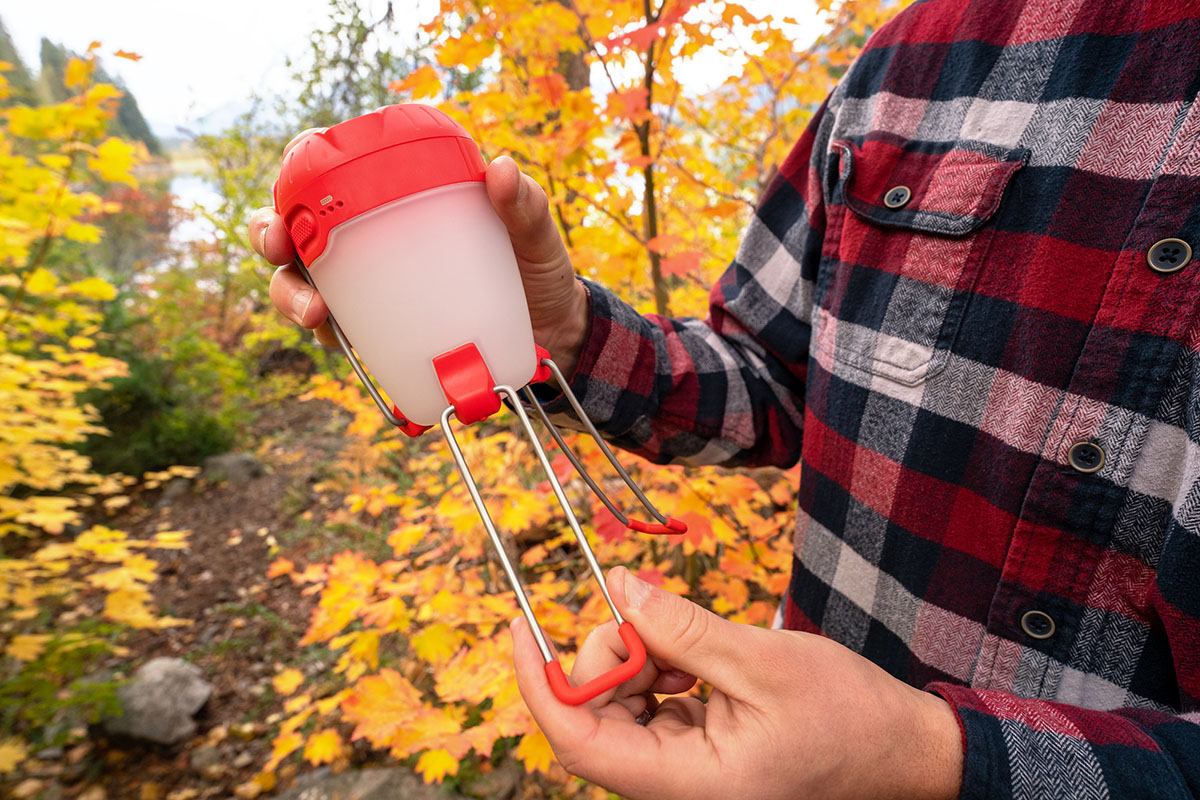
(202, 57)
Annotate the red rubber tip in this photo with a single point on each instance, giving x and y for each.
(541, 373)
(673, 526)
(406, 427)
(577, 695)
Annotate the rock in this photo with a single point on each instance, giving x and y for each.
(391, 783)
(158, 704)
(499, 784)
(232, 467)
(243, 760)
(175, 490)
(205, 758)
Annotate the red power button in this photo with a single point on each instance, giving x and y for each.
(302, 227)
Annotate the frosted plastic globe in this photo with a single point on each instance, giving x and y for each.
(422, 275)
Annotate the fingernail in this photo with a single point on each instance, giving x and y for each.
(636, 590)
(300, 303)
(262, 241)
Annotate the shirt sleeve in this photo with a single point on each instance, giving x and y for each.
(728, 389)
(1019, 747)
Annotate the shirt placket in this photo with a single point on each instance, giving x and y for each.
(1075, 495)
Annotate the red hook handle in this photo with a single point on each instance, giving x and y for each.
(576, 695)
(673, 526)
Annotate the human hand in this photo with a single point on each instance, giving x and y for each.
(557, 302)
(790, 715)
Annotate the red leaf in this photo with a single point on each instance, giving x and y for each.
(642, 37)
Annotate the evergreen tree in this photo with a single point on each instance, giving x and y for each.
(20, 82)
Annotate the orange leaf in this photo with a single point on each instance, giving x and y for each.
(630, 104)
(286, 682)
(664, 242)
(422, 82)
(681, 264)
(552, 86)
(127, 54)
(280, 566)
(284, 746)
(535, 753)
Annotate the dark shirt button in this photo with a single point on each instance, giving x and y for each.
(1037, 624)
(897, 197)
(1169, 255)
(1085, 457)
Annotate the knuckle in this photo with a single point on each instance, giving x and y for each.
(692, 626)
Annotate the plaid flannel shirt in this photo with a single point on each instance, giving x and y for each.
(946, 290)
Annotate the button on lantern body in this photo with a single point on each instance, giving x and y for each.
(897, 197)
(1169, 255)
(1037, 624)
(1086, 457)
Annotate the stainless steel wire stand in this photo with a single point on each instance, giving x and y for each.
(558, 681)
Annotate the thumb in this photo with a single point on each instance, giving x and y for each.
(525, 211)
(689, 637)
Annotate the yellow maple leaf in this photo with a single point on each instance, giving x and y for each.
(434, 765)
(534, 752)
(93, 289)
(27, 647)
(323, 747)
(113, 161)
(77, 74)
(40, 281)
(286, 682)
(12, 753)
(437, 644)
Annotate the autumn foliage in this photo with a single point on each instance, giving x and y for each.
(650, 181)
(66, 590)
(653, 125)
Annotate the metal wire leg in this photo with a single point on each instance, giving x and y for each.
(509, 570)
(668, 524)
(580, 536)
(563, 689)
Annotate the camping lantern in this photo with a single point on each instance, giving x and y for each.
(393, 226)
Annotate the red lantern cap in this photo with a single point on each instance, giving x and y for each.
(365, 162)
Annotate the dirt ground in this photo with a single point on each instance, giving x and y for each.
(245, 628)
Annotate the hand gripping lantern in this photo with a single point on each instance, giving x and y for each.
(392, 224)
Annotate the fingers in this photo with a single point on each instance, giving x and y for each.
(616, 753)
(603, 651)
(296, 300)
(687, 636)
(269, 238)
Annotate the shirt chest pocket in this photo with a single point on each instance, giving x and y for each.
(906, 237)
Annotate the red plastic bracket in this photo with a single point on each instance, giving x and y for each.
(673, 526)
(541, 373)
(467, 383)
(576, 695)
(407, 427)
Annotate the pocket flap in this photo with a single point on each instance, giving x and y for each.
(946, 188)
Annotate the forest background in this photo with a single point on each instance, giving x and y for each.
(362, 618)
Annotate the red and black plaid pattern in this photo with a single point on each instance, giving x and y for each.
(945, 290)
